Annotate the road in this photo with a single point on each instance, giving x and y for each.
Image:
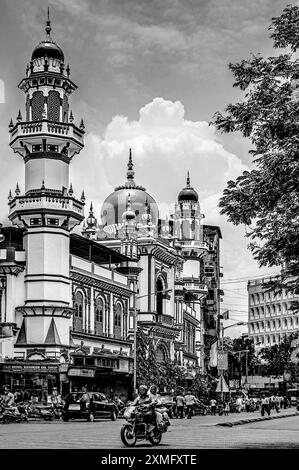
(201, 433)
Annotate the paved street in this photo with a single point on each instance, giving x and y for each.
(201, 432)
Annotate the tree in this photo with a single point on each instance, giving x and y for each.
(266, 198)
(147, 367)
(276, 359)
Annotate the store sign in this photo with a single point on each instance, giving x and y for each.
(63, 367)
(81, 372)
(34, 368)
(222, 361)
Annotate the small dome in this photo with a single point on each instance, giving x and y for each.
(188, 193)
(48, 48)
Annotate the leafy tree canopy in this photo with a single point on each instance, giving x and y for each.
(266, 198)
(276, 359)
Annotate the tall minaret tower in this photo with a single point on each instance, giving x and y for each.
(47, 139)
(188, 231)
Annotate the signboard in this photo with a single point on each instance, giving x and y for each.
(222, 385)
(63, 367)
(222, 360)
(81, 372)
(34, 368)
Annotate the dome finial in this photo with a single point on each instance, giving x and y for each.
(188, 179)
(130, 172)
(48, 23)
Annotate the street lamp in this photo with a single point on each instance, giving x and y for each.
(222, 336)
(135, 333)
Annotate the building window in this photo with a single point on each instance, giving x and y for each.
(37, 105)
(117, 320)
(161, 354)
(53, 106)
(99, 316)
(79, 308)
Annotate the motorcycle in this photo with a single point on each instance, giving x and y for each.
(136, 429)
(13, 414)
(45, 412)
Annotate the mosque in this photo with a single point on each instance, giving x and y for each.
(73, 290)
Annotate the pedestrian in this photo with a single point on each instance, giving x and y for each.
(190, 402)
(265, 406)
(226, 408)
(180, 403)
(247, 404)
(285, 402)
(239, 404)
(213, 405)
(9, 397)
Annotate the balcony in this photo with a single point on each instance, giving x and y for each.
(57, 129)
(195, 244)
(46, 202)
(194, 286)
(166, 320)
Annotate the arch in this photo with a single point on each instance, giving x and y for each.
(161, 352)
(79, 299)
(118, 314)
(99, 307)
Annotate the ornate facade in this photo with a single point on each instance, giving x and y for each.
(69, 303)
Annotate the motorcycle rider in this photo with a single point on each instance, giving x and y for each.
(144, 399)
(9, 398)
(155, 398)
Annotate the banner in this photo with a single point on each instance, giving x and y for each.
(213, 355)
(222, 360)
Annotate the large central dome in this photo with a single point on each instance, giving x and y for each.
(115, 204)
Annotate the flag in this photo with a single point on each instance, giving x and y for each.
(213, 354)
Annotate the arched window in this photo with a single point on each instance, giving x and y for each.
(79, 310)
(117, 320)
(159, 289)
(161, 354)
(53, 106)
(37, 105)
(99, 316)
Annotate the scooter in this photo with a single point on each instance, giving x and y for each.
(13, 414)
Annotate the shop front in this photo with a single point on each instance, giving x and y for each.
(31, 379)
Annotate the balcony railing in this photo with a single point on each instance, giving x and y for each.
(165, 320)
(195, 244)
(46, 202)
(23, 129)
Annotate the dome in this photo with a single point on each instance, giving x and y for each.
(115, 205)
(48, 48)
(188, 193)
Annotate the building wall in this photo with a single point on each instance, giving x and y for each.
(269, 317)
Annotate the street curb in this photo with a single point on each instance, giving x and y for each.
(253, 420)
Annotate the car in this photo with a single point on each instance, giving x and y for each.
(88, 405)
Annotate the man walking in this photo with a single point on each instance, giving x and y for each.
(190, 402)
(213, 404)
(180, 402)
(265, 406)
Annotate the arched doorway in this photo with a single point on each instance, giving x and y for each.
(161, 353)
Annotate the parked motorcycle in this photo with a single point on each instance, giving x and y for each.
(136, 428)
(13, 414)
(45, 412)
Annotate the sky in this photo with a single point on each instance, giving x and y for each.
(150, 75)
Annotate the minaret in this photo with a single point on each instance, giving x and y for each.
(188, 231)
(47, 139)
(90, 225)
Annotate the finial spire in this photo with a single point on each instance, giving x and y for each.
(48, 23)
(188, 179)
(130, 172)
(91, 208)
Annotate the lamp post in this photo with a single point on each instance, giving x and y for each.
(135, 333)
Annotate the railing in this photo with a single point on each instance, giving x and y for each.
(198, 287)
(165, 319)
(57, 128)
(46, 202)
(195, 244)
